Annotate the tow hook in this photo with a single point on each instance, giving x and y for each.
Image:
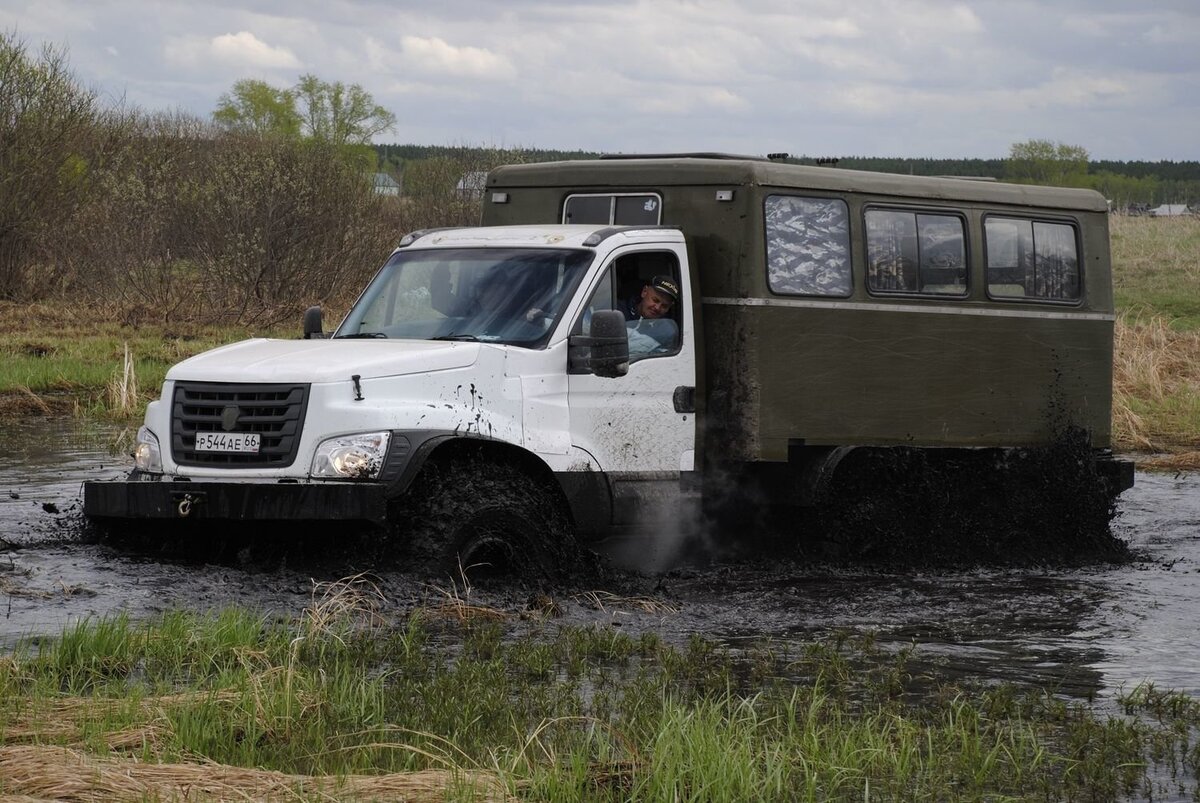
(185, 505)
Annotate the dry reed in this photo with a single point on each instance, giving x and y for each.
(123, 388)
(1153, 364)
(65, 719)
(604, 601)
(62, 774)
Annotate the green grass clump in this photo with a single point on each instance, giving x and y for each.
(70, 359)
(556, 713)
(1156, 268)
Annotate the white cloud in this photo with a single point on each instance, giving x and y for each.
(435, 55)
(242, 50)
(1076, 89)
(689, 100)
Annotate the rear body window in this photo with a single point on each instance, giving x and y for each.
(632, 209)
(808, 246)
(1031, 259)
(916, 252)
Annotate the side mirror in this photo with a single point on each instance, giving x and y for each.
(313, 326)
(605, 351)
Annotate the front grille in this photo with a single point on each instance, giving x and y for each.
(275, 412)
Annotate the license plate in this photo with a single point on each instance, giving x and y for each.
(227, 442)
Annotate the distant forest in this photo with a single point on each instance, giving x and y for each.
(1124, 183)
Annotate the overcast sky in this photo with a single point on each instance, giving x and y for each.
(914, 78)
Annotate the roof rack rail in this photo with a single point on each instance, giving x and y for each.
(600, 235)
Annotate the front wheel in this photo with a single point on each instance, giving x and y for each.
(473, 518)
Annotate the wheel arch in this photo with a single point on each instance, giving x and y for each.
(445, 448)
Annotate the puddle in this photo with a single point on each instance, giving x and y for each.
(1082, 632)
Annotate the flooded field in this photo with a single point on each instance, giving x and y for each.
(1082, 632)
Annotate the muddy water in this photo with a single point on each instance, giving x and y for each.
(1083, 632)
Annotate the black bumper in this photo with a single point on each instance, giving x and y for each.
(234, 501)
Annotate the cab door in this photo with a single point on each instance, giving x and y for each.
(640, 428)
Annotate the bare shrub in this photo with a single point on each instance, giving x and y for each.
(196, 223)
(53, 141)
(278, 225)
(129, 240)
(447, 190)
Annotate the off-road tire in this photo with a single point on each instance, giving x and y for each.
(484, 518)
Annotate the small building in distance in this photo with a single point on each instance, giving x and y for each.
(1170, 210)
(472, 184)
(384, 184)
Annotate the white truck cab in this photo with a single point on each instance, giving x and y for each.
(466, 385)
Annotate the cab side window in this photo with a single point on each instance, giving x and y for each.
(645, 287)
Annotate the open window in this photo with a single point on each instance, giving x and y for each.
(622, 287)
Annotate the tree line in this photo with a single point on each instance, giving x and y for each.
(1124, 184)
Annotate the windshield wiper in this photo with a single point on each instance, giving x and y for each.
(470, 338)
(361, 334)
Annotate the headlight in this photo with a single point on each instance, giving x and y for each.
(354, 457)
(146, 454)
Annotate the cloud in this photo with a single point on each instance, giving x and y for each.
(436, 56)
(241, 50)
(690, 100)
(1079, 89)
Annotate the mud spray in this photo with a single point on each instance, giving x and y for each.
(902, 507)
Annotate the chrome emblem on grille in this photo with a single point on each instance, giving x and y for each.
(229, 418)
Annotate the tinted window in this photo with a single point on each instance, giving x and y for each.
(588, 209)
(636, 210)
(913, 252)
(808, 246)
(619, 210)
(1031, 259)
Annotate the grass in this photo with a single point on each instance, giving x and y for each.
(84, 361)
(1156, 371)
(348, 703)
(1156, 268)
(1156, 386)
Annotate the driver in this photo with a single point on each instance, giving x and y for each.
(655, 300)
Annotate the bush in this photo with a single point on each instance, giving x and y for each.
(168, 217)
(53, 140)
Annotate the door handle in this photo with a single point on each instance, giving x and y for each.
(684, 398)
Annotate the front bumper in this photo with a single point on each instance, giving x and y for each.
(234, 501)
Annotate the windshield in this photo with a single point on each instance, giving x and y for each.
(492, 295)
